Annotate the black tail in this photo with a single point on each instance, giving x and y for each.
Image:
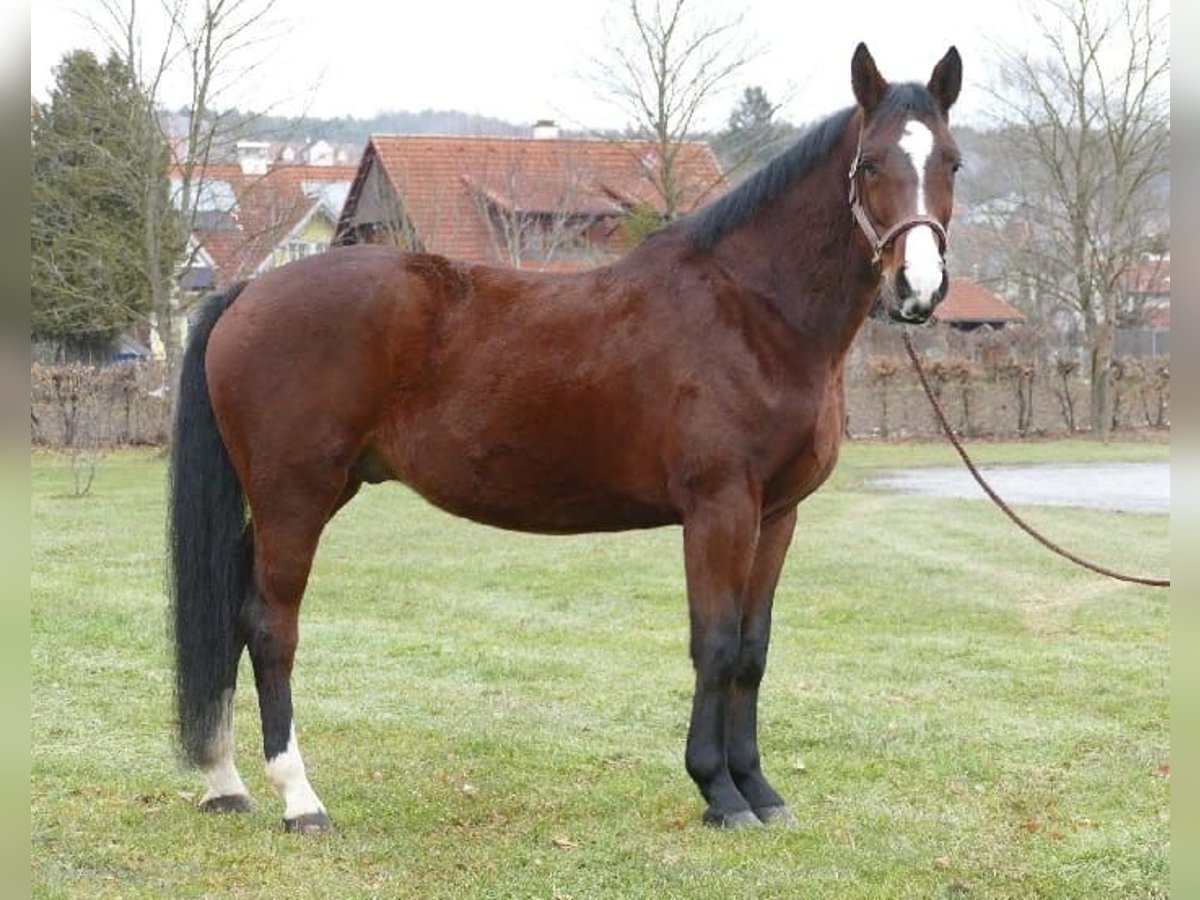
(210, 552)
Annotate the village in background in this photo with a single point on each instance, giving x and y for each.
(1008, 356)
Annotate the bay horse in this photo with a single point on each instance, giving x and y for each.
(697, 381)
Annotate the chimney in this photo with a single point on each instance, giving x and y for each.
(545, 130)
(254, 157)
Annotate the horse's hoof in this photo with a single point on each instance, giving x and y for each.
(777, 815)
(229, 803)
(743, 818)
(309, 823)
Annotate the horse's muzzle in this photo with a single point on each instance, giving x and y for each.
(906, 305)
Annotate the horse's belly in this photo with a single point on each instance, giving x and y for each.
(526, 489)
(545, 510)
(573, 516)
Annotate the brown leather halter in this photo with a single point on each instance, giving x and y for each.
(862, 217)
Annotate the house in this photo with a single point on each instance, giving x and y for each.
(254, 215)
(250, 219)
(968, 306)
(543, 202)
(316, 153)
(1147, 288)
(1144, 317)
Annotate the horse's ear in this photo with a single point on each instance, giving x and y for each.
(869, 85)
(946, 80)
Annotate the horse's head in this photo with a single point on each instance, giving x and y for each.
(902, 180)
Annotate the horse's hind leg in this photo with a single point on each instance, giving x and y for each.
(226, 790)
(774, 539)
(287, 523)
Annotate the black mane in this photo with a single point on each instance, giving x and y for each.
(713, 222)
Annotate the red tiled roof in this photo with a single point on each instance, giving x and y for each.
(1150, 276)
(442, 182)
(968, 302)
(267, 208)
(1158, 317)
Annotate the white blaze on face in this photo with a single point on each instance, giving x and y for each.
(923, 266)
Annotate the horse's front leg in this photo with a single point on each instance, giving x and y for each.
(744, 765)
(719, 539)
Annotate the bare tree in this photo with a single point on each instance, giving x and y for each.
(664, 61)
(1088, 126)
(212, 44)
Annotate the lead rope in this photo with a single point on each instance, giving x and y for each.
(1004, 507)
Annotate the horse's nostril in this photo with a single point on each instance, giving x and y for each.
(903, 288)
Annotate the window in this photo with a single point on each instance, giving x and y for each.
(299, 249)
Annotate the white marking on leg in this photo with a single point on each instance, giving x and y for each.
(923, 265)
(223, 780)
(286, 774)
(222, 776)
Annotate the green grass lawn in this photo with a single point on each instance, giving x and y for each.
(950, 710)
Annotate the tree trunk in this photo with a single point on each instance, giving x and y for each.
(1101, 381)
(1103, 341)
(165, 316)
(162, 287)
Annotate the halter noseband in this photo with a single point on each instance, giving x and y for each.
(880, 243)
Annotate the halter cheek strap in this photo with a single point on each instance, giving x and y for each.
(880, 243)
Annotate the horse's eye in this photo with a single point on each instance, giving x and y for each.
(955, 166)
(868, 167)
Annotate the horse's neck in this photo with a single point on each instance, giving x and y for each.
(801, 255)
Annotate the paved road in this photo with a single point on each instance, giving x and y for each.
(1135, 487)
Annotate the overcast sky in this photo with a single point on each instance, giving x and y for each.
(524, 60)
